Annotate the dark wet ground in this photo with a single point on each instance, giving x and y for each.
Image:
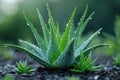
(108, 72)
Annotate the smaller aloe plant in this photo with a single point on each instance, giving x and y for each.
(8, 77)
(117, 60)
(114, 40)
(22, 67)
(56, 50)
(85, 64)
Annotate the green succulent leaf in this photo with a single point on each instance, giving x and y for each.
(117, 28)
(39, 40)
(53, 50)
(32, 55)
(51, 20)
(66, 34)
(34, 49)
(86, 51)
(117, 60)
(44, 27)
(22, 67)
(85, 63)
(83, 27)
(58, 36)
(66, 59)
(80, 28)
(85, 23)
(86, 43)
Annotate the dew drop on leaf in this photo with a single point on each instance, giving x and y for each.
(67, 25)
(110, 46)
(32, 50)
(28, 24)
(5, 45)
(90, 18)
(49, 22)
(75, 32)
(84, 42)
(80, 19)
(98, 32)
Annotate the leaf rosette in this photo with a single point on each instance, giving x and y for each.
(56, 50)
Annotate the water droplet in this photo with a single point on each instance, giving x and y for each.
(80, 19)
(98, 33)
(75, 32)
(110, 46)
(28, 24)
(5, 46)
(90, 18)
(32, 50)
(67, 25)
(49, 21)
(84, 42)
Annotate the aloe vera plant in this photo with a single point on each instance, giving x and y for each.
(85, 64)
(22, 67)
(56, 50)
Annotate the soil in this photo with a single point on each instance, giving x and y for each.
(108, 72)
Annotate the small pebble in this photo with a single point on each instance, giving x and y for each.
(96, 77)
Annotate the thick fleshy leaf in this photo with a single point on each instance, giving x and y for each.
(34, 49)
(53, 50)
(51, 20)
(66, 59)
(66, 34)
(85, 23)
(78, 32)
(39, 40)
(71, 33)
(86, 43)
(58, 35)
(81, 28)
(44, 27)
(87, 51)
(32, 55)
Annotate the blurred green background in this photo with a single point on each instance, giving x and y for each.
(13, 25)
